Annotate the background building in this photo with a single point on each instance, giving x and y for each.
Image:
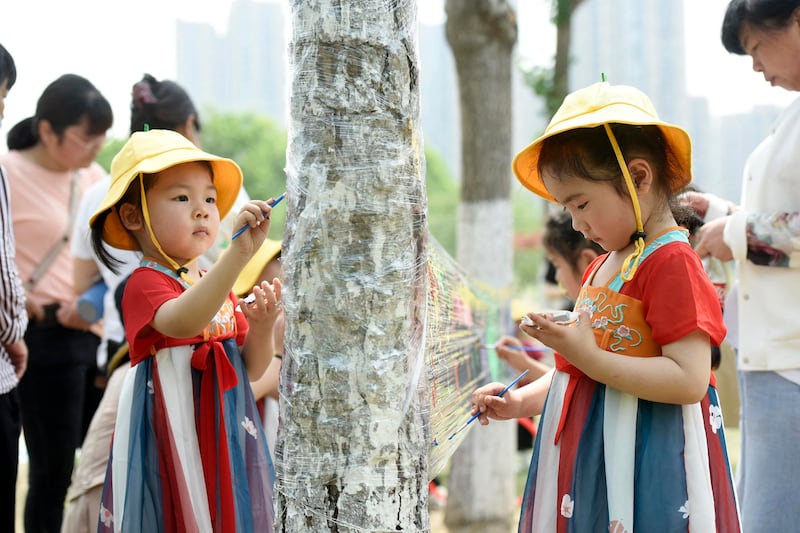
(243, 69)
(633, 42)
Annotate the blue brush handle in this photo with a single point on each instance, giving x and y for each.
(499, 395)
(244, 228)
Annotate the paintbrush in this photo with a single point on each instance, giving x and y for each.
(244, 228)
(476, 415)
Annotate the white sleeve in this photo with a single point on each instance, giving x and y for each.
(81, 241)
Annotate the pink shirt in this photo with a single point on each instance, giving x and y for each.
(40, 201)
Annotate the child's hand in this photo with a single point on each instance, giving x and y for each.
(265, 307)
(711, 241)
(485, 400)
(255, 214)
(573, 341)
(509, 350)
(69, 317)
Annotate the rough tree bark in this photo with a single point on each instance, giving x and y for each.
(482, 34)
(352, 444)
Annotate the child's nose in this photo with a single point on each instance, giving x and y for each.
(201, 211)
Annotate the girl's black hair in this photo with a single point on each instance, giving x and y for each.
(8, 70)
(103, 255)
(133, 196)
(586, 153)
(561, 238)
(163, 105)
(64, 103)
(769, 15)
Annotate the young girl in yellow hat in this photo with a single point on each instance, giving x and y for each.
(631, 435)
(189, 452)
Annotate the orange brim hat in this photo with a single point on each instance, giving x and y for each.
(249, 276)
(149, 152)
(595, 105)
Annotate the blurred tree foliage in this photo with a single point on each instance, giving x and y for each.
(552, 82)
(442, 192)
(108, 152)
(258, 145)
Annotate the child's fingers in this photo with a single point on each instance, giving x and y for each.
(270, 296)
(481, 396)
(508, 341)
(264, 207)
(262, 300)
(479, 408)
(250, 211)
(495, 405)
(277, 287)
(255, 212)
(532, 323)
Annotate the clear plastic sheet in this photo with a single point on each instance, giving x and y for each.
(464, 316)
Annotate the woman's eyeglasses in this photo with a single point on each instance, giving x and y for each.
(90, 145)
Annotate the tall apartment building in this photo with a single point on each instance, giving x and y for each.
(243, 69)
(633, 42)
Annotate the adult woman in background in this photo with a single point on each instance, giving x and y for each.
(762, 235)
(49, 164)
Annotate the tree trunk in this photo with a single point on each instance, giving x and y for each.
(563, 20)
(352, 444)
(482, 34)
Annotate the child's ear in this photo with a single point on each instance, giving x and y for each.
(130, 216)
(641, 174)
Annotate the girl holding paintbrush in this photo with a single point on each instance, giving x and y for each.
(630, 436)
(189, 451)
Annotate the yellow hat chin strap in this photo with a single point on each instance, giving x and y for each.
(631, 262)
(181, 271)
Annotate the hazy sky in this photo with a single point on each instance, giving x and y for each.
(113, 42)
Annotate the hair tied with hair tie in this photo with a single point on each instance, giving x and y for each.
(143, 94)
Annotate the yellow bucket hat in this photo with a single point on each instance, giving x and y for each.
(149, 152)
(595, 105)
(248, 277)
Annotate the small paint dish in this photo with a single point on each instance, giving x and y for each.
(557, 316)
